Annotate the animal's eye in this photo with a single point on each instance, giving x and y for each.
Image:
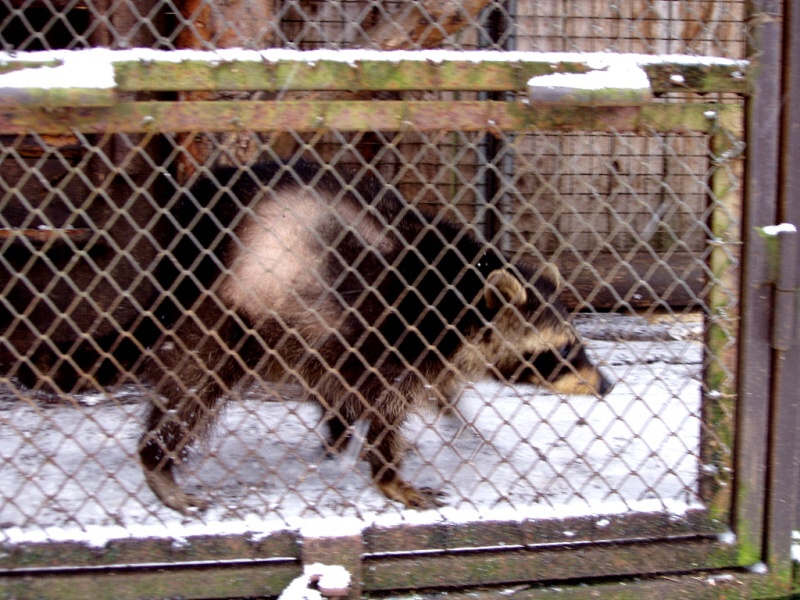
(565, 351)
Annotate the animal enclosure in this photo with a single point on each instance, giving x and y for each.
(475, 128)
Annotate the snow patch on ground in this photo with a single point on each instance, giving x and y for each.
(68, 470)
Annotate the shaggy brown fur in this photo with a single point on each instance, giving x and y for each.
(295, 275)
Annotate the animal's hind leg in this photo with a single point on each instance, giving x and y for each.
(338, 419)
(340, 411)
(184, 410)
(338, 430)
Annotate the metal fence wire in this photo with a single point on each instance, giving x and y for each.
(261, 310)
(79, 308)
(703, 27)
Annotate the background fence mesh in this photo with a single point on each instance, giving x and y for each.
(629, 219)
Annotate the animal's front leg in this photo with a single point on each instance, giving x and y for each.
(384, 454)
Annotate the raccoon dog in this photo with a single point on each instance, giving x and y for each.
(293, 273)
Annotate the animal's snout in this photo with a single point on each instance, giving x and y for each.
(605, 386)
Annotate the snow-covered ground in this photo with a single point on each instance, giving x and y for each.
(68, 470)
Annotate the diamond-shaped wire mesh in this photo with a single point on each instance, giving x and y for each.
(703, 27)
(500, 445)
(638, 225)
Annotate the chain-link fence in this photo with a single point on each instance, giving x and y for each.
(712, 28)
(318, 293)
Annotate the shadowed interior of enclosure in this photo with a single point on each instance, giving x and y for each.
(643, 223)
(70, 458)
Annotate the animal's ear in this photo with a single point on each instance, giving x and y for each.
(503, 288)
(551, 271)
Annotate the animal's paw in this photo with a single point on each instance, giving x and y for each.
(427, 498)
(412, 497)
(164, 486)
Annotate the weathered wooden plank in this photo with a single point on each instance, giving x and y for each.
(287, 546)
(755, 372)
(131, 552)
(785, 497)
(444, 536)
(222, 116)
(381, 573)
(713, 585)
(330, 75)
(18, 97)
(725, 256)
(165, 581)
(402, 75)
(281, 71)
(498, 566)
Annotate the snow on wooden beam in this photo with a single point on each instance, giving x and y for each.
(614, 84)
(276, 69)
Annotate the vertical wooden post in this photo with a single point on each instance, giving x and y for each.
(783, 500)
(719, 402)
(760, 209)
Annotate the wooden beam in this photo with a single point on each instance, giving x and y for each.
(358, 115)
